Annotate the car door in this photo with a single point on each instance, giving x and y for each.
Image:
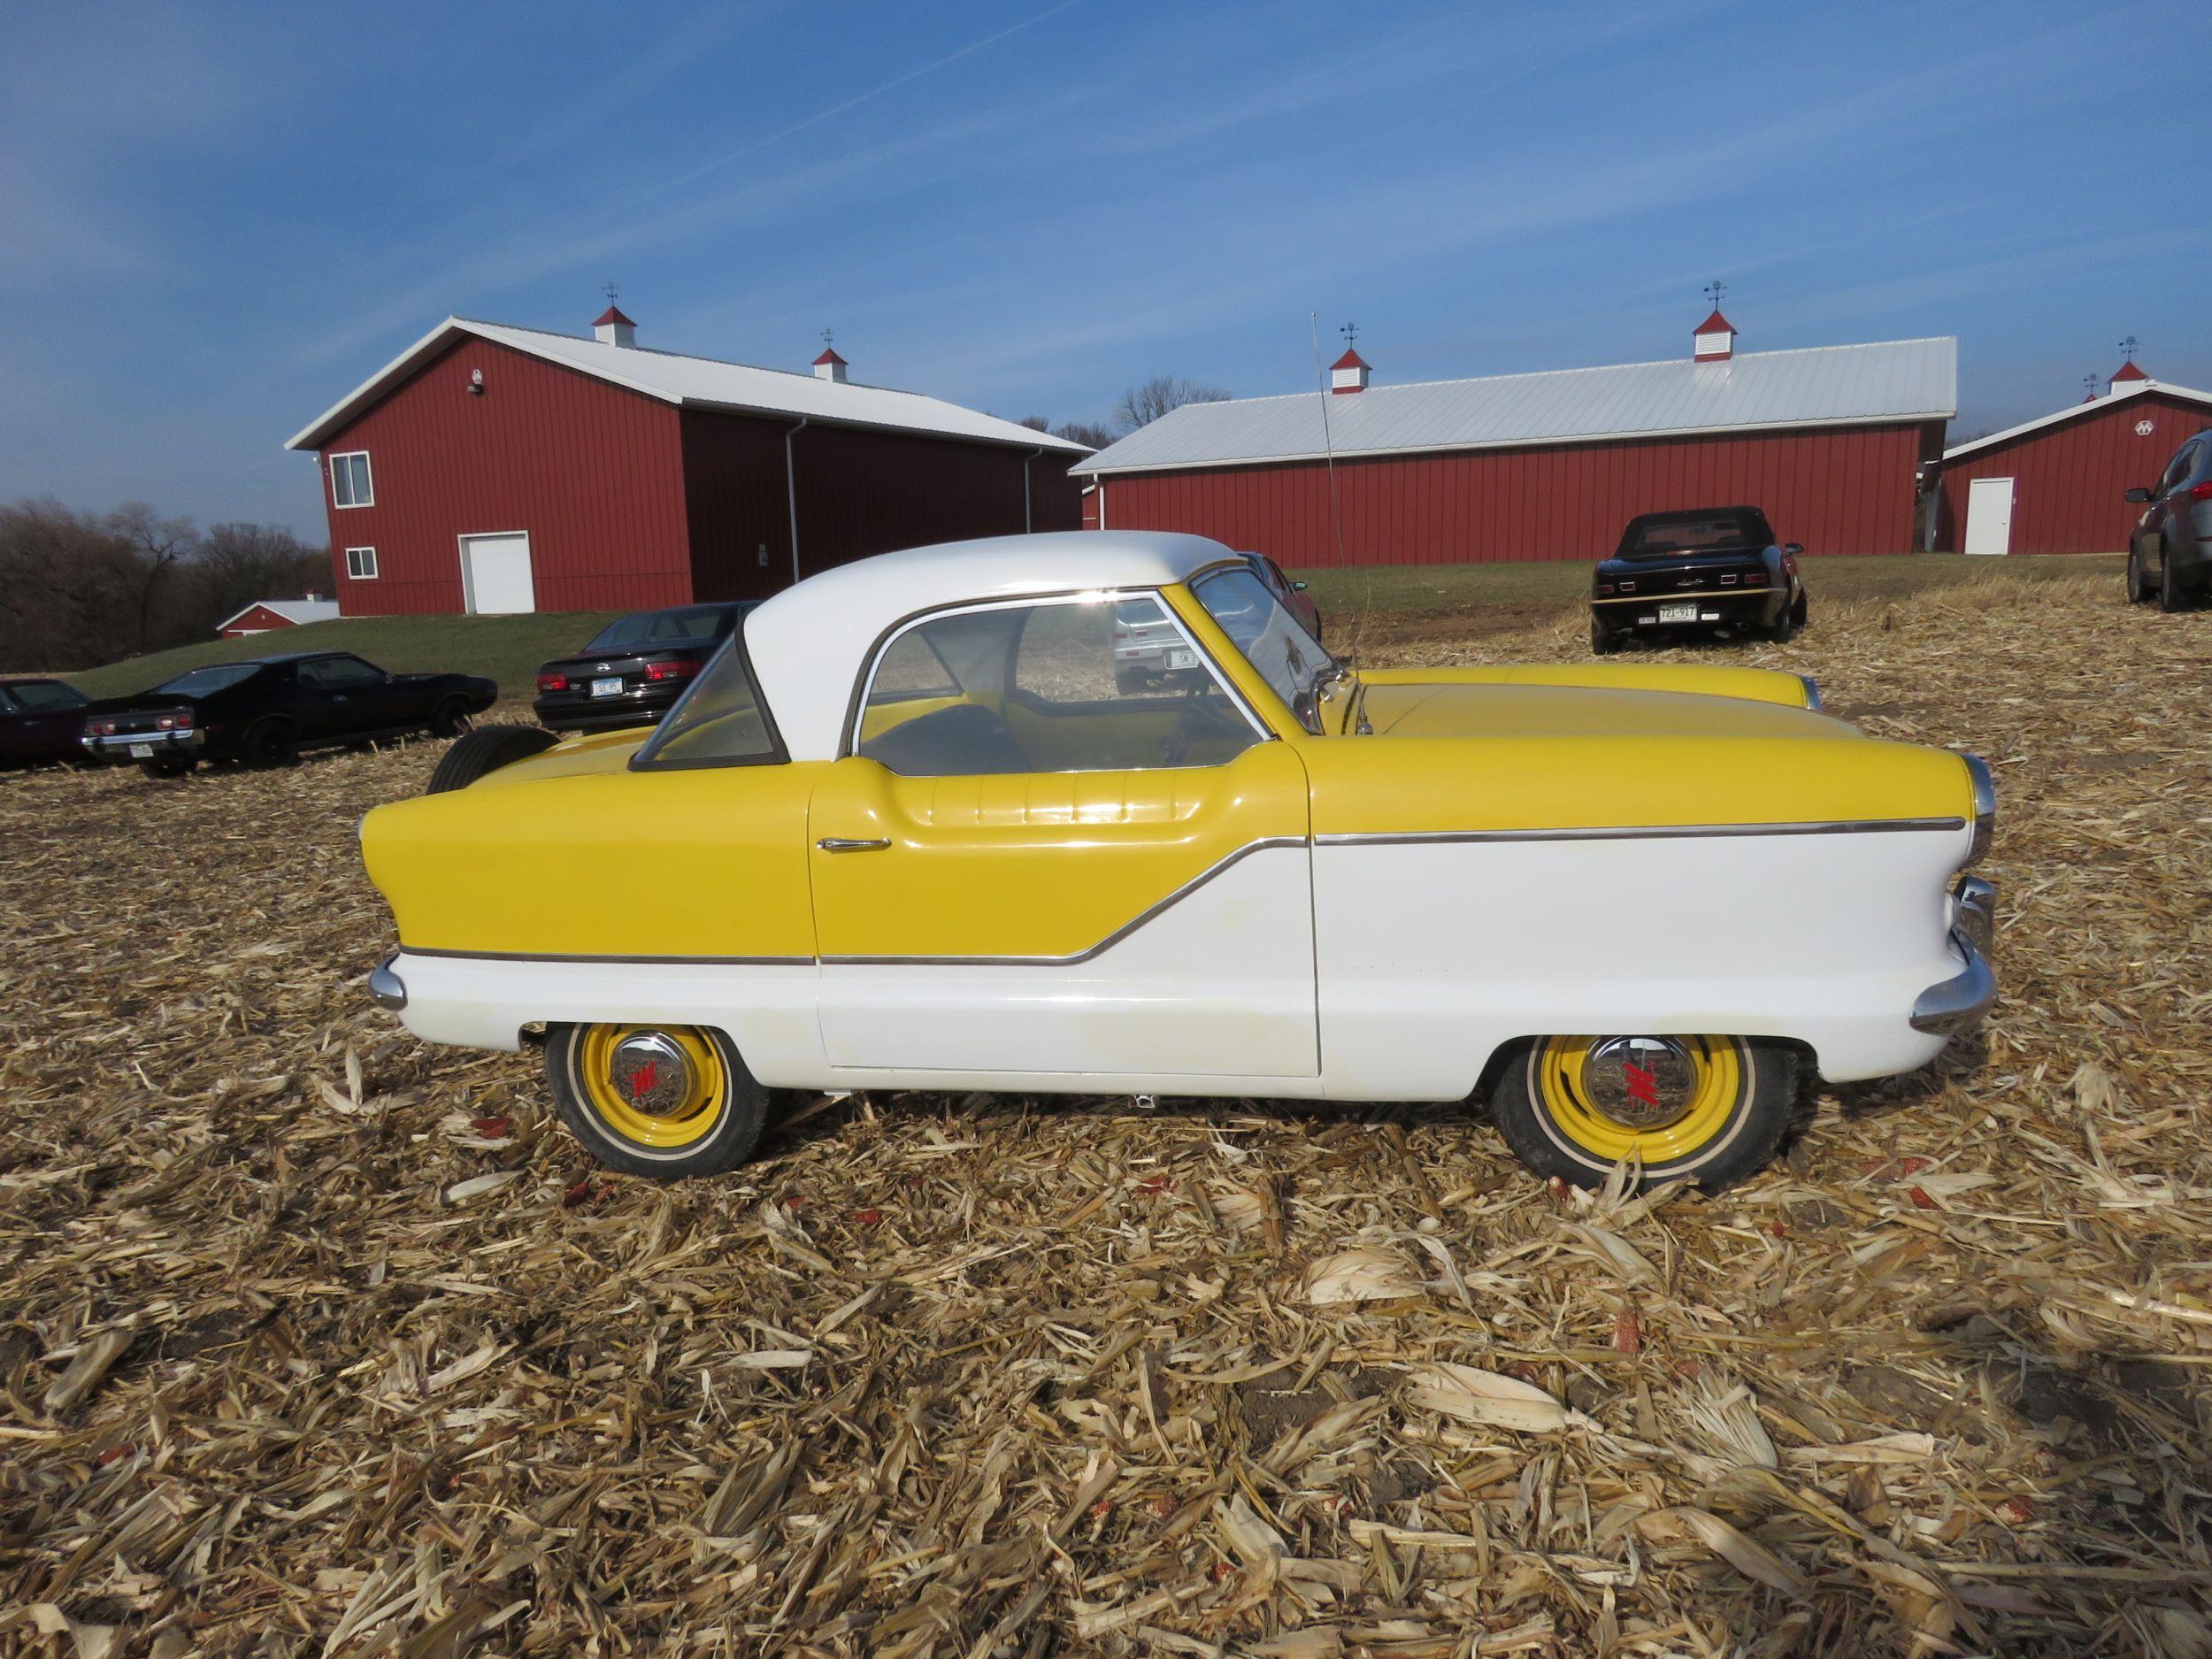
(1024, 864)
(2169, 500)
(347, 696)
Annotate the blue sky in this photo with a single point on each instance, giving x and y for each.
(216, 219)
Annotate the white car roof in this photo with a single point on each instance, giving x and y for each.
(809, 643)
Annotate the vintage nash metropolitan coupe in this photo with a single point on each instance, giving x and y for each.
(909, 830)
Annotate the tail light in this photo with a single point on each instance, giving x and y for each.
(1628, 587)
(1754, 579)
(1730, 581)
(2200, 492)
(103, 729)
(682, 668)
(1605, 588)
(552, 682)
(173, 722)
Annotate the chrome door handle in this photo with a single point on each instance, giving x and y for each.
(847, 844)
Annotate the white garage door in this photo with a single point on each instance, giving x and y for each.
(1989, 515)
(496, 573)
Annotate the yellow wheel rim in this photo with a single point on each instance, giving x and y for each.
(1570, 1095)
(659, 1086)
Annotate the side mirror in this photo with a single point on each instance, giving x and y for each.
(2139, 495)
(1298, 587)
(1792, 547)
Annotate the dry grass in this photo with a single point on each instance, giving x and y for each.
(316, 1340)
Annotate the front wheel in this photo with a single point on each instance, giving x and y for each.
(2139, 584)
(1712, 1109)
(662, 1102)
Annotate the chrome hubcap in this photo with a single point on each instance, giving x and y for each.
(1640, 1082)
(651, 1070)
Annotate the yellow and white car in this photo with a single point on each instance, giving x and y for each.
(909, 831)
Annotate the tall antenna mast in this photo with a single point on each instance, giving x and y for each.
(1328, 444)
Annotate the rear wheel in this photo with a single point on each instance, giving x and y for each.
(487, 749)
(270, 743)
(167, 766)
(1712, 1109)
(1798, 611)
(1603, 641)
(451, 718)
(663, 1102)
(2171, 595)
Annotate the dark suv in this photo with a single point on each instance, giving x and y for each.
(2169, 550)
(633, 668)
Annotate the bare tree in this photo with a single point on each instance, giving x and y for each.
(241, 562)
(1141, 405)
(159, 543)
(1085, 432)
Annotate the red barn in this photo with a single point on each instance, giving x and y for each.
(489, 468)
(2059, 484)
(1829, 441)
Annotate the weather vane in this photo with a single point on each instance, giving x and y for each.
(2127, 348)
(2089, 383)
(1714, 290)
(1350, 331)
(827, 338)
(607, 288)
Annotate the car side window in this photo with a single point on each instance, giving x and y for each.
(2178, 469)
(338, 673)
(1107, 684)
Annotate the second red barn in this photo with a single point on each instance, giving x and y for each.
(1828, 441)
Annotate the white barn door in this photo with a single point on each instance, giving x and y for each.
(1989, 515)
(495, 578)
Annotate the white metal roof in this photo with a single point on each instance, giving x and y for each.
(807, 643)
(697, 382)
(294, 611)
(1896, 379)
(2134, 388)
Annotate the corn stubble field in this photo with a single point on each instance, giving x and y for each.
(316, 1340)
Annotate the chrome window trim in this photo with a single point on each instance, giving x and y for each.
(1644, 832)
(849, 743)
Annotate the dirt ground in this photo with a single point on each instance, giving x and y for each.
(315, 1340)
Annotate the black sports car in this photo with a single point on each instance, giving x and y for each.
(1710, 567)
(41, 721)
(264, 712)
(633, 668)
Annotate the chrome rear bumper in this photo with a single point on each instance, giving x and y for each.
(386, 989)
(1959, 1002)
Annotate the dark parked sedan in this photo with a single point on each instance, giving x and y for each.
(1295, 599)
(2169, 550)
(1711, 567)
(41, 721)
(264, 711)
(633, 668)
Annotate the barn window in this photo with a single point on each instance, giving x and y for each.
(349, 484)
(361, 564)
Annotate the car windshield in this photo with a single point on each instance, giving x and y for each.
(1272, 639)
(44, 696)
(720, 721)
(200, 681)
(687, 625)
(1659, 535)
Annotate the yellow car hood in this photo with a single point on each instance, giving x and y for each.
(573, 758)
(1548, 712)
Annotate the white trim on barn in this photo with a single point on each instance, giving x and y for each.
(361, 570)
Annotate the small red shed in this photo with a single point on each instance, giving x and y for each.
(491, 468)
(1828, 441)
(265, 615)
(2059, 484)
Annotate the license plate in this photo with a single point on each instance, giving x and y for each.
(1182, 659)
(141, 751)
(607, 688)
(1678, 613)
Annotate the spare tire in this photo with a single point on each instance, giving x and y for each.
(487, 749)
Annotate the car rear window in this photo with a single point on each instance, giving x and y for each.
(690, 625)
(200, 681)
(719, 721)
(44, 696)
(1656, 536)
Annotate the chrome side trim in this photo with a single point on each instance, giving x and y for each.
(1107, 943)
(1648, 832)
(1812, 692)
(548, 955)
(386, 989)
